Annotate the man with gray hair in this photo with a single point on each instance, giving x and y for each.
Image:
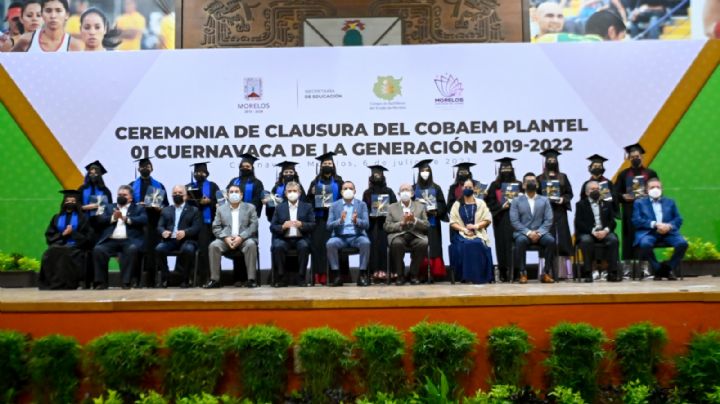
(407, 228)
(595, 224)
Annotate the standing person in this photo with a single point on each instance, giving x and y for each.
(348, 221)
(94, 199)
(470, 218)
(204, 197)
(94, 31)
(624, 188)
(52, 36)
(499, 205)
(73, 25)
(251, 186)
(123, 234)
(531, 218)
(323, 191)
(407, 227)
(560, 200)
(428, 192)
(15, 27)
(140, 187)
(288, 174)
(380, 195)
(68, 236)
(132, 26)
(597, 174)
(167, 31)
(179, 226)
(31, 16)
(463, 174)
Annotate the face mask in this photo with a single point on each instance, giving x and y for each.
(200, 177)
(234, 198)
(467, 191)
(425, 175)
(292, 196)
(245, 172)
(597, 171)
(288, 178)
(506, 175)
(348, 194)
(122, 200)
(94, 179)
(636, 162)
(655, 193)
(70, 206)
(595, 195)
(531, 186)
(145, 172)
(405, 196)
(178, 199)
(552, 166)
(326, 170)
(461, 178)
(376, 180)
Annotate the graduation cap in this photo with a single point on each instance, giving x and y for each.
(376, 168)
(423, 163)
(504, 162)
(70, 193)
(286, 165)
(465, 165)
(325, 157)
(200, 167)
(547, 153)
(596, 158)
(144, 161)
(633, 147)
(98, 167)
(248, 158)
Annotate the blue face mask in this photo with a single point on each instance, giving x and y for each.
(467, 191)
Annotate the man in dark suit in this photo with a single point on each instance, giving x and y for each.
(292, 224)
(595, 223)
(657, 220)
(179, 227)
(531, 217)
(123, 233)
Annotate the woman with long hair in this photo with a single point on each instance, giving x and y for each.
(94, 31)
(52, 36)
(31, 17)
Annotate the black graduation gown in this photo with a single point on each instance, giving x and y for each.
(205, 237)
(434, 231)
(502, 228)
(624, 182)
(63, 264)
(320, 234)
(561, 225)
(269, 211)
(152, 238)
(257, 191)
(376, 232)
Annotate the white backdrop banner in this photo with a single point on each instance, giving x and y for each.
(391, 105)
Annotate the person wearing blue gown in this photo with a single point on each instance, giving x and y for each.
(470, 254)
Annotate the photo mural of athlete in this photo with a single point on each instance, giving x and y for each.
(378, 198)
(322, 192)
(95, 33)
(203, 194)
(426, 191)
(52, 36)
(498, 199)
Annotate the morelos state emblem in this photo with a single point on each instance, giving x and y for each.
(387, 87)
(449, 86)
(253, 88)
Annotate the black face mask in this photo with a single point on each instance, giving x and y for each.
(594, 195)
(461, 178)
(145, 172)
(506, 175)
(70, 206)
(200, 177)
(468, 191)
(552, 166)
(636, 163)
(178, 199)
(377, 180)
(288, 178)
(122, 200)
(245, 172)
(597, 171)
(94, 179)
(531, 186)
(326, 170)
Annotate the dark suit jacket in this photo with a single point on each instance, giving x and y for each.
(644, 215)
(137, 220)
(585, 219)
(190, 221)
(305, 214)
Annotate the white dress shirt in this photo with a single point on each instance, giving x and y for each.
(120, 231)
(293, 231)
(235, 227)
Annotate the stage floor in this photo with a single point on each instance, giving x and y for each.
(700, 289)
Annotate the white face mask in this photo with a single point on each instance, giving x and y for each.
(425, 175)
(655, 193)
(292, 196)
(348, 194)
(234, 198)
(405, 196)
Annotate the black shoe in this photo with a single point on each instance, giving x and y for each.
(212, 284)
(101, 286)
(125, 286)
(162, 284)
(671, 276)
(239, 284)
(414, 281)
(184, 285)
(588, 280)
(280, 284)
(657, 277)
(400, 281)
(251, 284)
(338, 281)
(362, 281)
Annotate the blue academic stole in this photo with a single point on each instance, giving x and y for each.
(248, 192)
(137, 187)
(207, 211)
(280, 191)
(335, 193)
(419, 195)
(62, 223)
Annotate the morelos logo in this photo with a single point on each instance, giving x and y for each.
(253, 89)
(450, 88)
(387, 87)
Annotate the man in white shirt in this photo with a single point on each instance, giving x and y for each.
(235, 228)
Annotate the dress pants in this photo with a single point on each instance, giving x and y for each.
(675, 240)
(102, 252)
(279, 249)
(548, 251)
(587, 246)
(182, 266)
(248, 249)
(334, 245)
(418, 251)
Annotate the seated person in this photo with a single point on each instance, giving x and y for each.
(407, 226)
(179, 227)
(657, 220)
(471, 257)
(123, 233)
(235, 229)
(291, 226)
(67, 236)
(595, 223)
(348, 219)
(531, 218)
